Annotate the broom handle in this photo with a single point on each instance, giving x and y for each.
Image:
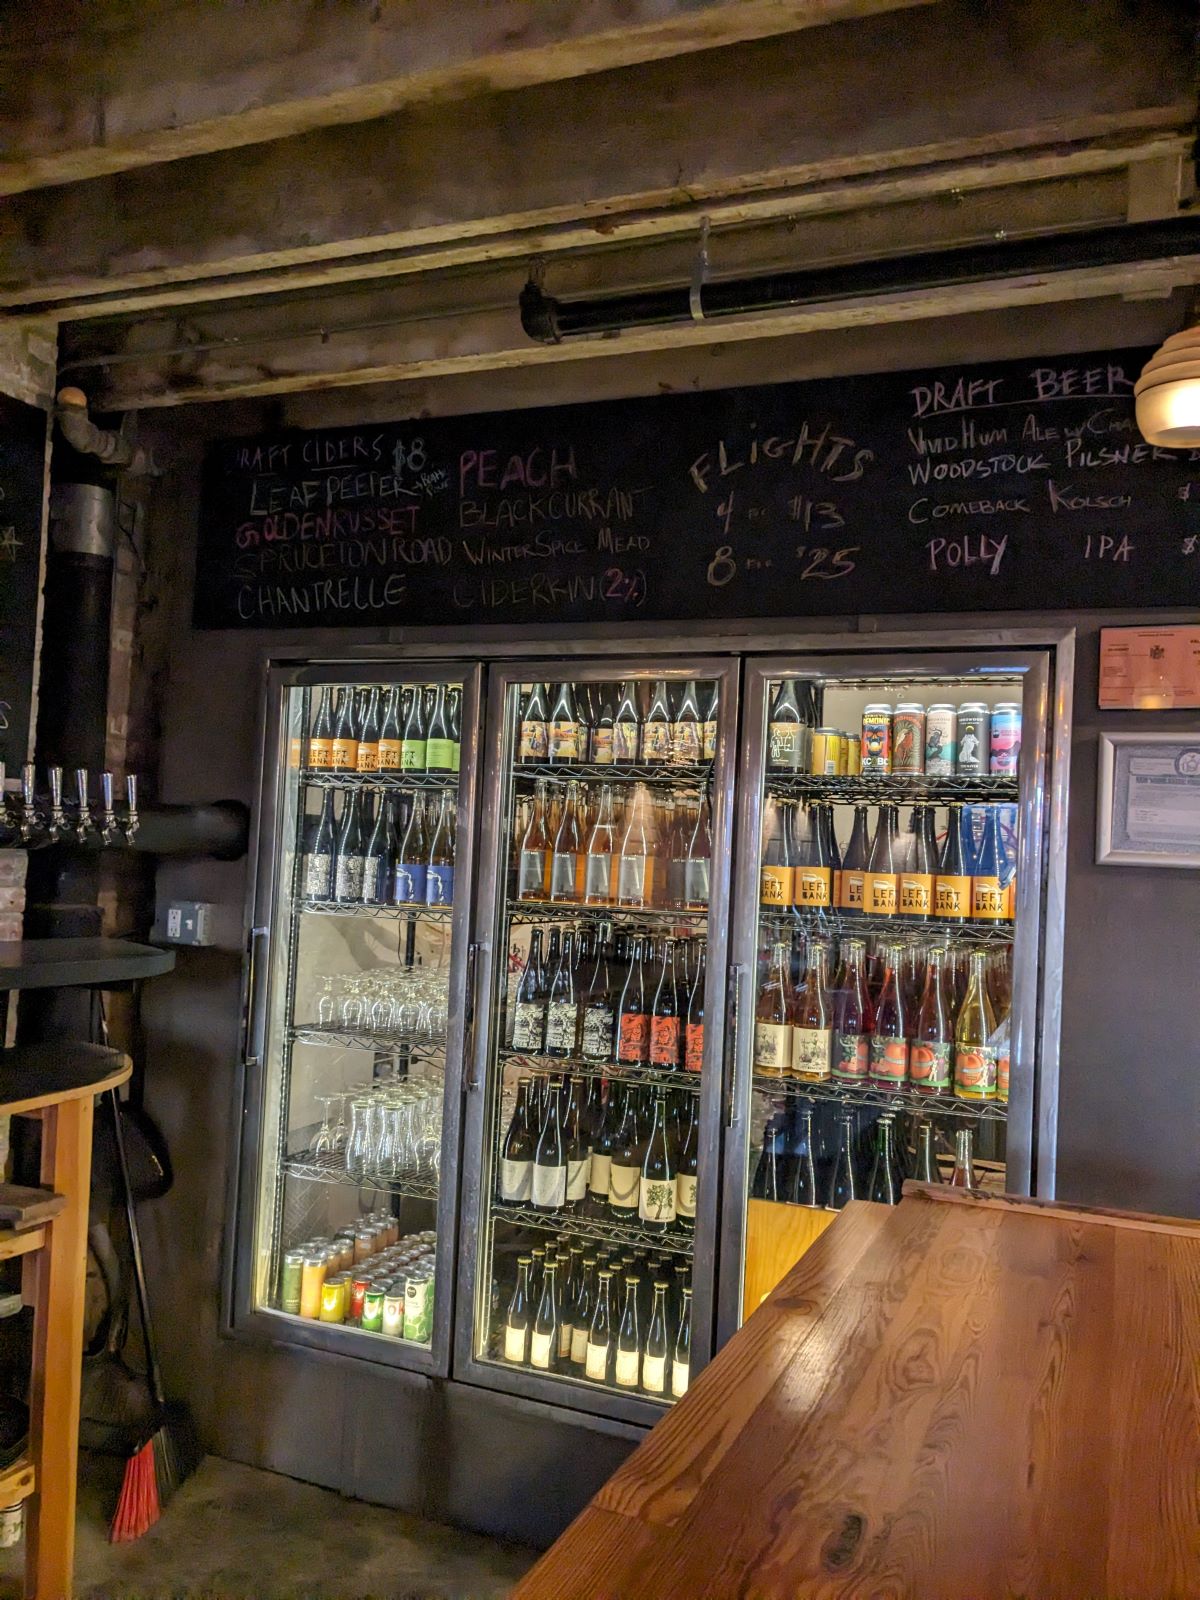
(135, 1243)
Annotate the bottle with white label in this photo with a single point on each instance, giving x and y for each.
(654, 1362)
(517, 1318)
(627, 1367)
(543, 1342)
(687, 1166)
(568, 1293)
(516, 1153)
(600, 1354)
(565, 863)
(529, 1006)
(598, 852)
(549, 1189)
(656, 1189)
(600, 1164)
(581, 1312)
(682, 1358)
(625, 1167)
(561, 1008)
(533, 858)
(578, 1150)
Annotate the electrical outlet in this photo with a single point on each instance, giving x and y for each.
(189, 922)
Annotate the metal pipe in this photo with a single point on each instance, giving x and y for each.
(549, 320)
(109, 445)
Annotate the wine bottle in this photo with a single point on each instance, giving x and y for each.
(581, 1312)
(518, 1318)
(533, 861)
(439, 735)
(367, 757)
(693, 1050)
(344, 745)
(854, 1018)
(549, 1188)
(812, 1021)
(408, 882)
(657, 1189)
(882, 883)
(708, 727)
(666, 1021)
(602, 750)
(599, 851)
(627, 1370)
(952, 886)
(772, 1017)
(656, 730)
(564, 726)
(529, 1008)
(681, 1358)
(561, 1005)
(578, 1149)
(686, 732)
(439, 868)
(688, 1166)
(533, 742)
(377, 864)
(351, 852)
(320, 854)
(597, 1023)
(844, 1183)
(600, 1355)
(788, 738)
(931, 1063)
(633, 1014)
(543, 1343)
(320, 740)
(599, 1171)
(636, 861)
(412, 739)
(390, 737)
(698, 859)
(566, 867)
(516, 1153)
(893, 1026)
(802, 1184)
(625, 1166)
(627, 730)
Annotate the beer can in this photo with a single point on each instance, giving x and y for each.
(418, 1307)
(393, 1309)
(877, 738)
(941, 740)
(974, 734)
(826, 752)
(372, 1312)
(333, 1298)
(908, 739)
(359, 1284)
(1004, 744)
(290, 1279)
(852, 749)
(312, 1280)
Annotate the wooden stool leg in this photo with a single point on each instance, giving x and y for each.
(57, 1345)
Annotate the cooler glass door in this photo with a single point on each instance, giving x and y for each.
(887, 923)
(593, 1105)
(359, 965)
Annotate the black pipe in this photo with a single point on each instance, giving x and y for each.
(550, 320)
(220, 830)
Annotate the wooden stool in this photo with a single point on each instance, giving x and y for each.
(60, 1081)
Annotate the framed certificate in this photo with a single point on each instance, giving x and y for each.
(1148, 800)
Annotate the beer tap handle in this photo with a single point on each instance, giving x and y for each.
(55, 821)
(131, 802)
(81, 789)
(111, 833)
(28, 811)
(84, 827)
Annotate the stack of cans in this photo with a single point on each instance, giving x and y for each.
(366, 1277)
(942, 740)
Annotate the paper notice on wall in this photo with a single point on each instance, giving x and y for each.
(1149, 669)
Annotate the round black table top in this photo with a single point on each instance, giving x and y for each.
(78, 963)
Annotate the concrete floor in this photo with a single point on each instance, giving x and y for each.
(235, 1533)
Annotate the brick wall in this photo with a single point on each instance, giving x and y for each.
(28, 361)
(12, 892)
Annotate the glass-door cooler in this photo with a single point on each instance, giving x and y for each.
(594, 1092)
(886, 941)
(348, 1178)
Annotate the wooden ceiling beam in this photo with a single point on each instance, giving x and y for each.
(104, 88)
(617, 154)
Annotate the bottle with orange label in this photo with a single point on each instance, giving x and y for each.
(777, 880)
(915, 883)
(390, 740)
(320, 740)
(952, 886)
(367, 755)
(814, 872)
(988, 900)
(881, 889)
(343, 755)
(930, 1060)
(852, 878)
(854, 1018)
(889, 1043)
(974, 1049)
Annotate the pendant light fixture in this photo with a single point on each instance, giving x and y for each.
(1167, 395)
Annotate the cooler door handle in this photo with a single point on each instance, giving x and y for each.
(471, 1075)
(256, 1013)
(733, 997)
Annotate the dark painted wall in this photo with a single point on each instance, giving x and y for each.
(1130, 1077)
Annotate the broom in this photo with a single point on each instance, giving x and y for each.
(170, 1452)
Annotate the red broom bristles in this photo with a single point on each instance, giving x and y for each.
(138, 1508)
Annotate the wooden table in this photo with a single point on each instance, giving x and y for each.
(961, 1398)
(78, 963)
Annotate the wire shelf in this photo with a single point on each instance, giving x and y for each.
(540, 911)
(598, 1228)
(384, 1041)
(389, 913)
(331, 1169)
(619, 1072)
(899, 788)
(889, 1099)
(319, 778)
(846, 927)
(665, 774)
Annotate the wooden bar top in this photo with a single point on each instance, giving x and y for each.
(959, 1398)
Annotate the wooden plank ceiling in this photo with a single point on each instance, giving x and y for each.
(216, 200)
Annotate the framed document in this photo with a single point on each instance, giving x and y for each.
(1150, 669)
(1148, 800)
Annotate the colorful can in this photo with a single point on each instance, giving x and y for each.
(941, 740)
(372, 1312)
(359, 1284)
(393, 1310)
(290, 1280)
(974, 734)
(908, 739)
(418, 1307)
(853, 749)
(1004, 744)
(826, 748)
(877, 738)
(333, 1298)
(312, 1281)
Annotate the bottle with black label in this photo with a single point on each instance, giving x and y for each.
(600, 1354)
(550, 1160)
(597, 1009)
(518, 1318)
(344, 744)
(320, 854)
(320, 740)
(351, 853)
(529, 1006)
(561, 1006)
(516, 1153)
(564, 726)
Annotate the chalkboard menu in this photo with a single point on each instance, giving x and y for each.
(1013, 486)
(22, 479)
